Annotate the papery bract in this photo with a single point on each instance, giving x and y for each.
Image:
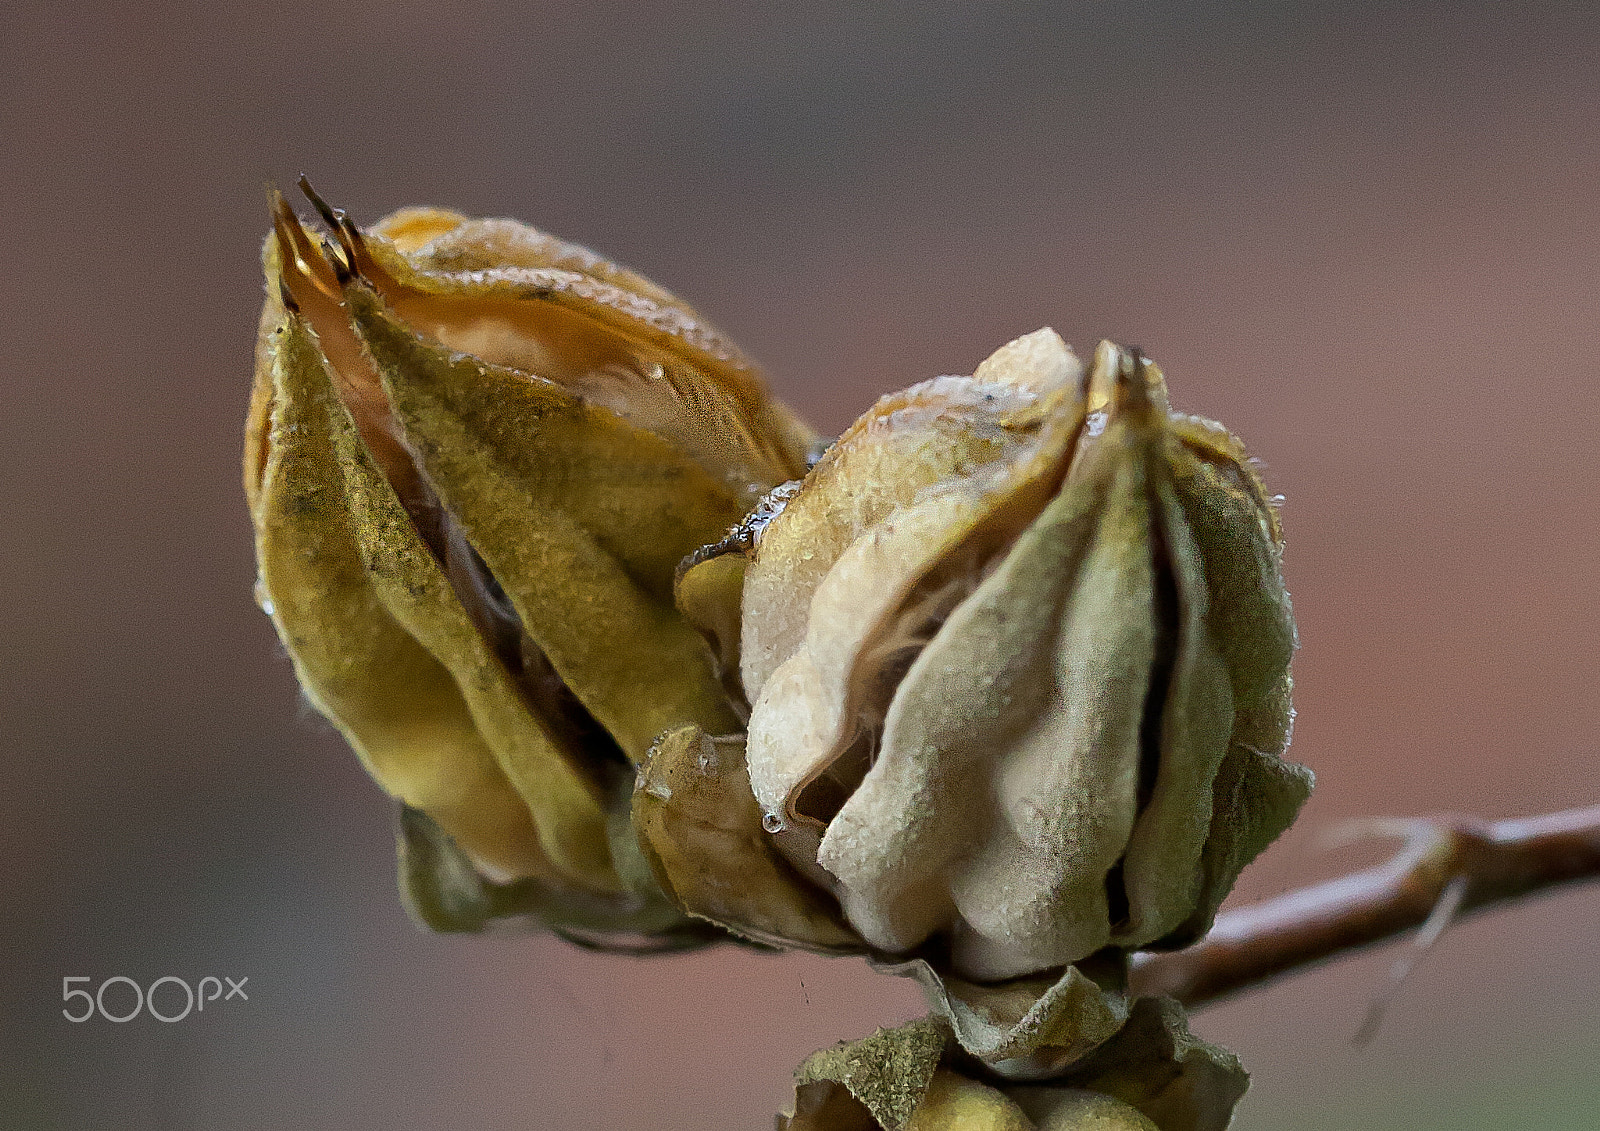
(475, 456)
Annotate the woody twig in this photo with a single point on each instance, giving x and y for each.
(1447, 867)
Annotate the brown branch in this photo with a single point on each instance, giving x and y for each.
(1498, 860)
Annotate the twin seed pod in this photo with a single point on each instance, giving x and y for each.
(995, 690)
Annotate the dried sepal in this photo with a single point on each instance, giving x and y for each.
(701, 831)
(445, 890)
(884, 1076)
(707, 593)
(580, 518)
(349, 586)
(1028, 1028)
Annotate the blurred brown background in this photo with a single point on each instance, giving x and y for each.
(1363, 235)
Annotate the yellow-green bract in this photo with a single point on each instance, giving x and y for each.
(475, 456)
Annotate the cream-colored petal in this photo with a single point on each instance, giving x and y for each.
(808, 710)
(943, 429)
(792, 727)
(556, 311)
(1005, 787)
(1039, 361)
(410, 229)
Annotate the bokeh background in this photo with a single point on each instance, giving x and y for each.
(1364, 235)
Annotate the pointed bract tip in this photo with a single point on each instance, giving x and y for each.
(1133, 373)
(348, 235)
(284, 221)
(331, 216)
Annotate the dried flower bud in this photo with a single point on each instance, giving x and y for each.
(475, 456)
(1152, 1076)
(1017, 652)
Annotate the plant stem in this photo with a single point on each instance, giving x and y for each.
(1495, 861)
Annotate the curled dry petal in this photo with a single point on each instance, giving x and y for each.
(1017, 651)
(1028, 1028)
(474, 458)
(701, 831)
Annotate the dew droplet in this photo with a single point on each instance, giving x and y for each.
(707, 760)
(773, 822)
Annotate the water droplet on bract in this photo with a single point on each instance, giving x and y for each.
(773, 822)
(707, 761)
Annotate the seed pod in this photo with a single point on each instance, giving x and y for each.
(1152, 1076)
(1017, 651)
(474, 458)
